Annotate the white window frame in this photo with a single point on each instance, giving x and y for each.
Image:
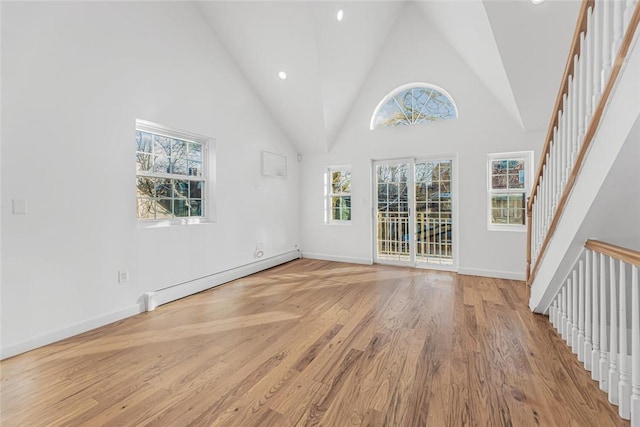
(527, 156)
(329, 194)
(399, 89)
(207, 143)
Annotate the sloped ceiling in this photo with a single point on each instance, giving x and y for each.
(517, 49)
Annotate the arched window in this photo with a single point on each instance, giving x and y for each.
(414, 103)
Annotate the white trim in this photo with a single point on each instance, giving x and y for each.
(510, 275)
(208, 168)
(78, 328)
(527, 156)
(337, 258)
(181, 290)
(159, 297)
(328, 194)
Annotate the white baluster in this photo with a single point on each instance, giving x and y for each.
(554, 175)
(534, 226)
(558, 305)
(624, 388)
(635, 348)
(607, 39)
(574, 116)
(587, 311)
(617, 17)
(574, 311)
(567, 142)
(547, 207)
(581, 312)
(558, 169)
(540, 217)
(589, 69)
(613, 335)
(534, 230)
(548, 189)
(597, 52)
(569, 312)
(559, 311)
(604, 355)
(558, 174)
(563, 319)
(595, 321)
(545, 193)
(541, 201)
(581, 90)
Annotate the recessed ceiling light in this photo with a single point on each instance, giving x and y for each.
(282, 75)
(536, 1)
(340, 15)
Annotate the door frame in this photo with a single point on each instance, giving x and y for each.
(412, 160)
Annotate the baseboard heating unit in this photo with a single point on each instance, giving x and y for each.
(181, 290)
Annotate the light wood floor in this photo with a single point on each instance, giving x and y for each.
(316, 343)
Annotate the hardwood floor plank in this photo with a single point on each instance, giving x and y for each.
(315, 343)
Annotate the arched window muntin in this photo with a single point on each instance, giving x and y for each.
(414, 103)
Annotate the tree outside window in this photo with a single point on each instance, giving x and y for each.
(339, 196)
(170, 177)
(508, 185)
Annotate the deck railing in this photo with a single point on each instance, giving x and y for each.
(597, 312)
(603, 35)
(432, 236)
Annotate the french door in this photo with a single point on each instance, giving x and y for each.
(414, 207)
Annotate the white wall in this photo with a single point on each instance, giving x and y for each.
(417, 53)
(75, 76)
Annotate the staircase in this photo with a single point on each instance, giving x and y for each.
(588, 185)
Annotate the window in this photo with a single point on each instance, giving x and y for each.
(339, 194)
(171, 172)
(413, 103)
(508, 185)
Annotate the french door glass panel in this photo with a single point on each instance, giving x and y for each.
(433, 212)
(393, 219)
(414, 222)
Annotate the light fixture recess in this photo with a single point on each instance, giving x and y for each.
(340, 15)
(536, 1)
(282, 75)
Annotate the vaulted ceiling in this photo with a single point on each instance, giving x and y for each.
(517, 49)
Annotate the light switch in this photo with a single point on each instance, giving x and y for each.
(19, 206)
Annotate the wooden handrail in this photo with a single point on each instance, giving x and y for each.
(588, 138)
(581, 26)
(618, 252)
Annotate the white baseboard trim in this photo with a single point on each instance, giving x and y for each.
(166, 295)
(337, 258)
(160, 297)
(511, 275)
(70, 331)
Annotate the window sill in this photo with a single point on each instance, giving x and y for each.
(340, 223)
(516, 228)
(173, 223)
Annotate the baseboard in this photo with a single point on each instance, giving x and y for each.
(162, 296)
(511, 275)
(70, 331)
(166, 295)
(337, 258)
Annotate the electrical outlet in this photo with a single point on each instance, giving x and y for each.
(123, 276)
